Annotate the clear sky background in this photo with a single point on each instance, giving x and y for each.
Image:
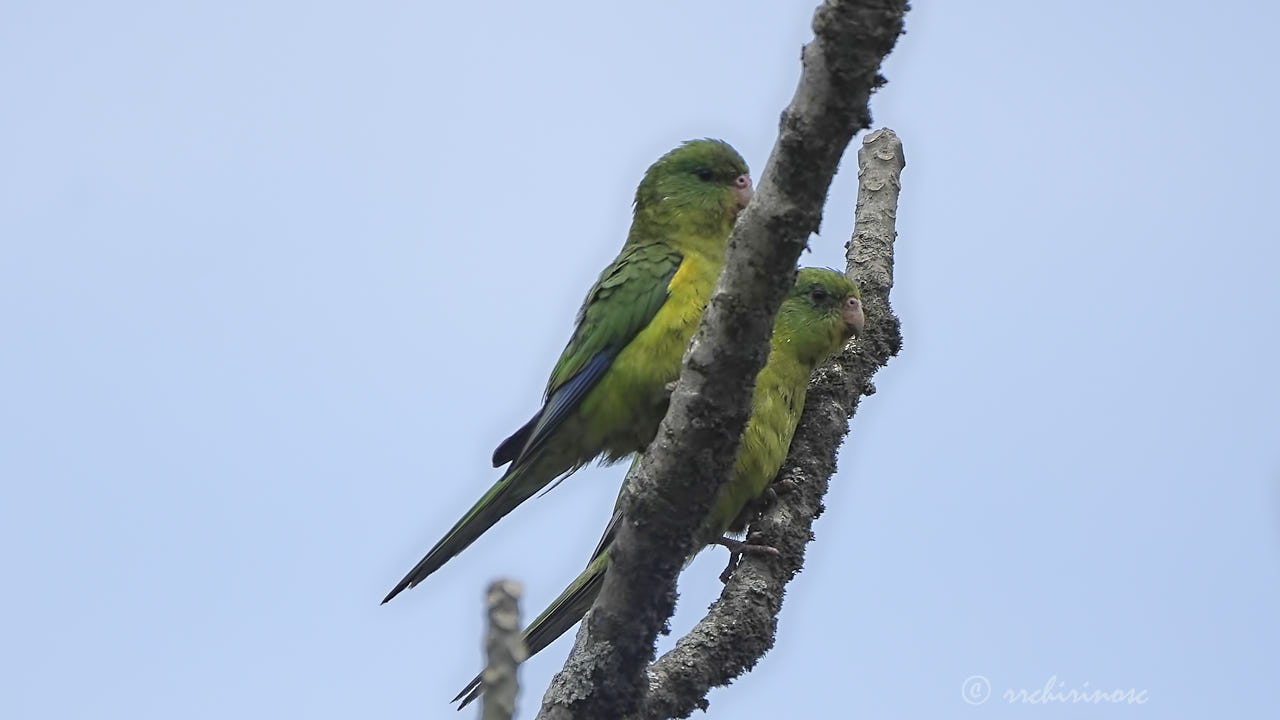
(276, 278)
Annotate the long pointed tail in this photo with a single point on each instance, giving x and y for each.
(513, 488)
(556, 620)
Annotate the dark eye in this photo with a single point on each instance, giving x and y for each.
(819, 295)
(704, 174)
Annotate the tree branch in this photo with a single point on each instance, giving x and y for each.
(740, 627)
(505, 649)
(674, 484)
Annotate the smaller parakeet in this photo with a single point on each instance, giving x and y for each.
(607, 393)
(818, 317)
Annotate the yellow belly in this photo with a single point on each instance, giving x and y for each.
(631, 397)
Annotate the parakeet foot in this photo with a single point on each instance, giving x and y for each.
(785, 486)
(764, 502)
(737, 549)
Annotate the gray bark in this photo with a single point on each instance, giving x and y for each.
(674, 484)
(505, 649)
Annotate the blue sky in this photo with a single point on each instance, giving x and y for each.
(274, 280)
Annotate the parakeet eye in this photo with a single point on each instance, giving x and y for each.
(819, 295)
(704, 174)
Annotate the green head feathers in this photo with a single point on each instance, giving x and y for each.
(820, 314)
(704, 176)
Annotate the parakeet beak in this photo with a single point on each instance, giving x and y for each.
(854, 319)
(742, 190)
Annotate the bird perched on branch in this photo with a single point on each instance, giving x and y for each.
(608, 392)
(818, 317)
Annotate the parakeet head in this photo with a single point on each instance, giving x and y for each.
(822, 312)
(707, 177)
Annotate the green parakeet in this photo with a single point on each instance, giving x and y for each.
(820, 314)
(608, 393)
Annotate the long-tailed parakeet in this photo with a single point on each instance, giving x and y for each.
(820, 314)
(608, 392)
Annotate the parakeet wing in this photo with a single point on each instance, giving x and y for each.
(625, 298)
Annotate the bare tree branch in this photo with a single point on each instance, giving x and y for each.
(505, 649)
(675, 482)
(739, 628)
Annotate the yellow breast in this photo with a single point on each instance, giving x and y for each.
(635, 385)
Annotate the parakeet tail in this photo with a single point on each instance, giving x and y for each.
(511, 490)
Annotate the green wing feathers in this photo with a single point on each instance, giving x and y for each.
(625, 298)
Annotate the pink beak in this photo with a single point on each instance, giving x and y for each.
(742, 190)
(854, 319)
